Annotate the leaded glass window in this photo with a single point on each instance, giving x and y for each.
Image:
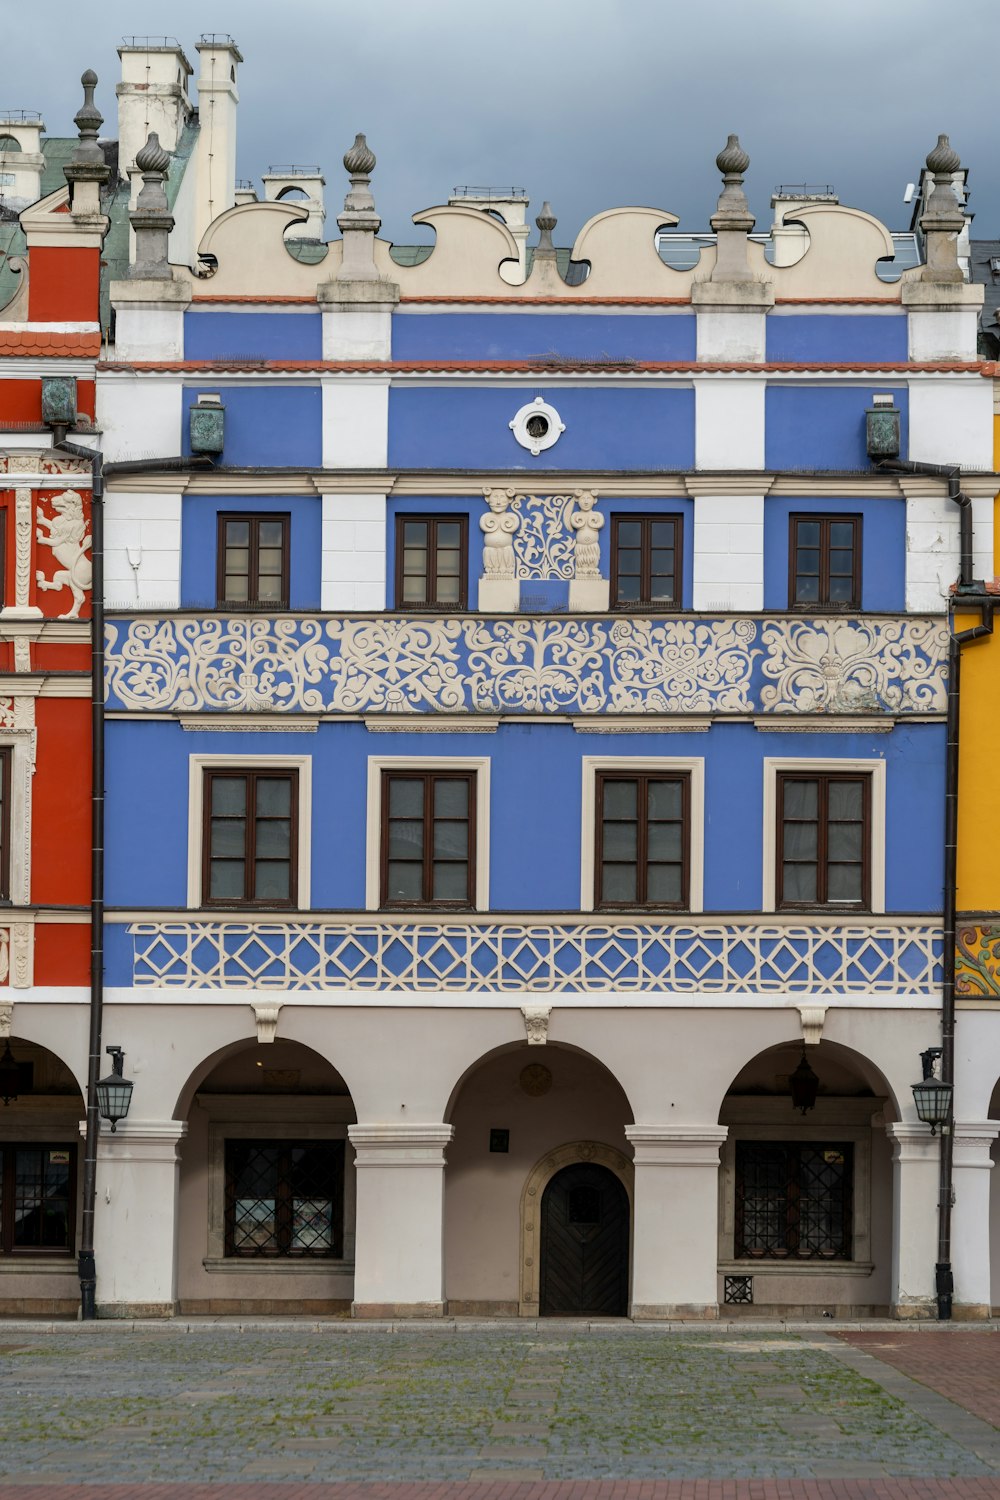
(284, 1198)
(37, 1199)
(794, 1200)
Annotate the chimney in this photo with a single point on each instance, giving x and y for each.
(21, 159)
(302, 186)
(152, 97)
(218, 97)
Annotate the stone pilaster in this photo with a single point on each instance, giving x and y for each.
(675, 1220)
(399, 1254)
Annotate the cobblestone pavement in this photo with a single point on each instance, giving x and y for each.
(301, 1409)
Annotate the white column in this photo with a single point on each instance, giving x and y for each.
(399, 1249)
(915, 1184)
(675, 1220)
(354, 552)
(728, 552)
(135, 1227)
(970, 1224)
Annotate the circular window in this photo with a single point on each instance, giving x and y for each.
(537, 426)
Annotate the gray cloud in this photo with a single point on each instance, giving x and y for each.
(591, 103)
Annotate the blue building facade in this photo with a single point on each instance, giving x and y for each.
(540, 665)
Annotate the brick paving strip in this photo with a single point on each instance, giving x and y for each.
(505, 1489)
(962, 1365)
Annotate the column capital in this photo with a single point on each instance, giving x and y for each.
(973, 1142)
(676, 1145)
(400, 1145)
(141, 1140)
(911, 1140)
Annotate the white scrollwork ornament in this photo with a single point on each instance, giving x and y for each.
(855, 666)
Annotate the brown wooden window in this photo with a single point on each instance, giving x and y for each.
(432, 565)
(824, 562)
(646, 560)
(250, 839)
(824, 840)
(643, 840)
(37, 1199)
(794, 1200)
(6, 850)
(3, 555)
(285, 1198)
(428, 838)
(253, 561)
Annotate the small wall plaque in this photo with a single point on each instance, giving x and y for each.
(499, 1140)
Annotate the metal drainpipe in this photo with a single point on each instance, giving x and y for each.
(86, 1263)
(944, 1281)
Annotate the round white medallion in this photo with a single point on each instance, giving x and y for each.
(537, 426)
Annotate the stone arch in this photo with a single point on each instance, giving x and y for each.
(840, 1063)
(537, 1056)
(536, 1182)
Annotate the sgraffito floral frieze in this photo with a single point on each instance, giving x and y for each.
(525, 664)
(977, 962)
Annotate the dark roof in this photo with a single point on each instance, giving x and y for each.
(981, 252)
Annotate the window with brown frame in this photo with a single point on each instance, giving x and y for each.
(3, 554)
(284, 1198)
(428, 838)
(252, 561)
(643, 840)
(646, 556)
(37, 1198)
(824, 562)
(250, 838)
(824, 840)
(432, 562)
(6, 851)
(794, 1200)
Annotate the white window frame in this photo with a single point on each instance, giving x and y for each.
(820, 765)
(691, 765)
(198, 765)
(480, 764)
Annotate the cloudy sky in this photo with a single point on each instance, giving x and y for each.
(591, 103)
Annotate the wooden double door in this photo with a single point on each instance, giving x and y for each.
(584, 1244)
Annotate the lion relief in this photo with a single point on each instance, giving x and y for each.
(66, 534)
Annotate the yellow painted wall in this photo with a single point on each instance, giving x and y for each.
(979, 762)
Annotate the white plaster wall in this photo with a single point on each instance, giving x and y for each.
(354, 552)
(141, 417)
(932, 549)
(729, 424)
(731, 335)
(362, 333)
(356, 424)
(149, 332)
(951, 421)
(145, 530)
(944, 335)
(729, 552)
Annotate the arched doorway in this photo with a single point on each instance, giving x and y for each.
(584, 1244)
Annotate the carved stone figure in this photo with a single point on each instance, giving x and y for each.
(66, 534)
(587, 523)
(498, 528)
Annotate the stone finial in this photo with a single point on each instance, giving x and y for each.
(359, 160)
(943, 218)
(545, 222)
(151, 218)
(151, 158)
(359, 223)
(943, 158)
(732, 220)
(86, 168)
(732, 160)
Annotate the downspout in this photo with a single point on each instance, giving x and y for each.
(967, 591)
(86, 1264)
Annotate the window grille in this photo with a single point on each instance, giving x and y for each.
(284, 1198)
(794, 1200)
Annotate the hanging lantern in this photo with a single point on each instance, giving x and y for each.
(804, 1085)
(10, 1076)
(114, 1093)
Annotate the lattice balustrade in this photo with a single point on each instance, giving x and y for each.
(583, 956)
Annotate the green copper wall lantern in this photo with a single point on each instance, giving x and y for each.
(882, 435)
(114, 1093)
(208, 424)
(59, 401)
